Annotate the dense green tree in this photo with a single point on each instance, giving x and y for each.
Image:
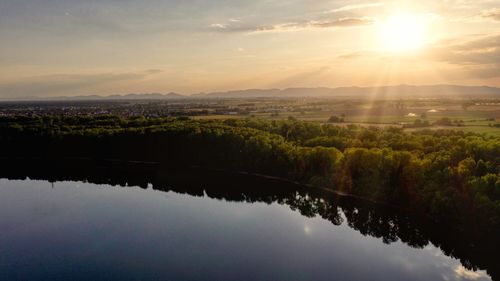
(443, 173)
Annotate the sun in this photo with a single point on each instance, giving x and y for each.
(402, 32)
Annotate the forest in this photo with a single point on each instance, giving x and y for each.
(447, 175)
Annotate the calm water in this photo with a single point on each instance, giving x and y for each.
(72, 230)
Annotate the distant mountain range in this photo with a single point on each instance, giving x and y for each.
(399, 91)
(145, 96)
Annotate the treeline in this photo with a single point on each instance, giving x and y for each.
(445, 121)
(445, 174)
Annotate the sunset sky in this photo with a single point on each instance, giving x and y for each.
(74, 47)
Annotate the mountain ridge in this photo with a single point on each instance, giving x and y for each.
(396, 91)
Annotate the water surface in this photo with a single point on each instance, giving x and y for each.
(75, 230)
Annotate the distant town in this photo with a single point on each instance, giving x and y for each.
(479, 115)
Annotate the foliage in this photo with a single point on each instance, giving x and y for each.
(444, 173)
(335, 119)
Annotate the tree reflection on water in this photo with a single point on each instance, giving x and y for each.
(475, 248)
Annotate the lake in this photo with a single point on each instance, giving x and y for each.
(137, 224)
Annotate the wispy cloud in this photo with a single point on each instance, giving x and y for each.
(355, 7)
(343, 22)
(476, 51)
(493, 14)
(478, 56)
(292, 26)
(355, 55)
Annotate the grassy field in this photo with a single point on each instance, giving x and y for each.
(477, 121)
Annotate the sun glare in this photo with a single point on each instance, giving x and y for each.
(403, 32)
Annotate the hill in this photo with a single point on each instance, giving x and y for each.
(382, 92)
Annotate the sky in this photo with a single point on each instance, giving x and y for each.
(74, 47)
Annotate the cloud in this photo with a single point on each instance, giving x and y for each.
(355, 7)
(219, 25)
(355, 55)
(343, 22)
(292, 26)
(478, 57)
(493, 14)
(484, 50)
(154, 71)
(67, 84)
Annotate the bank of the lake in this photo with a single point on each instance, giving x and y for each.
(448, 175)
